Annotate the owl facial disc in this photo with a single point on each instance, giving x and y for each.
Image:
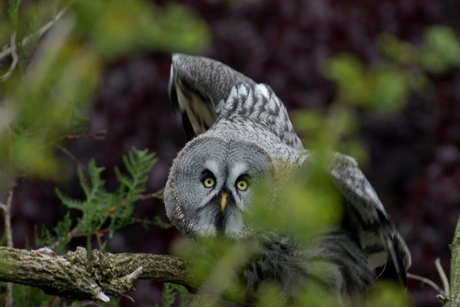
(210, 188)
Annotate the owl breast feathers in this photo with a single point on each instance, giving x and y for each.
(240, 135)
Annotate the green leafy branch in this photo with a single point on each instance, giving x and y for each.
(170, 294)
(102, 211)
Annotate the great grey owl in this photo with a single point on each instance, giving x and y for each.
(240, 132)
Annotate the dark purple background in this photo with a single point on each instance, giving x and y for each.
(414, 165)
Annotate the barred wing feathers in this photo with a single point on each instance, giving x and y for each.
(198, 87)
(205, 90)
(366, 218)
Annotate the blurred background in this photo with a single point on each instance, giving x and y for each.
(298, 47)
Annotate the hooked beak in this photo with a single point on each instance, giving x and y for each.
(223, 200)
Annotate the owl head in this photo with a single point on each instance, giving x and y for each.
(211, 185)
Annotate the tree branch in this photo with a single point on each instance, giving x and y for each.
(98, 276)
(453, 300)
(6, 208)
(77, 275)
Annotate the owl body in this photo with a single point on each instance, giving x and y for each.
(241, 135)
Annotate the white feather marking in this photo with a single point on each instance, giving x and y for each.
(373, 195)
(262, 89)
(233, 94)
(220, 105)
(212, 166)
(183, 101)
(349, 158)
(238, 169)
(378, 259)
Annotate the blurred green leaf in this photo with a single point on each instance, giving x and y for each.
(13, 8)
(313, 203)
(334, 130)
(61, 78)
(387, 293)
(382, 88)
(318, 295)
(117, 29)
(390, 89)
(32, 155)
(441, 49)
(353, 85)
(397, 50)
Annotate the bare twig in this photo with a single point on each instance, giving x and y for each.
(427, 281)
(71, 156)
(15, 57)
(444, 294)
(6, 208)
(442, 274)
(9, 50)
(158, 195)
(95, 136)
(453, 300)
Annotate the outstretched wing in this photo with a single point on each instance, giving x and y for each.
(198, 88)
(366, 218)
(205, 90)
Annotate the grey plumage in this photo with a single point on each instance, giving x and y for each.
(241, 133)
(198, 87)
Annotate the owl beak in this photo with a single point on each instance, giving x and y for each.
(223, 200)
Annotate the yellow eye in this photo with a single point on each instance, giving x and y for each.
(209, 182)
(242, 185)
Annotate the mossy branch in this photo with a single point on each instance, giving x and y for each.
(96, 276)
(453, 299)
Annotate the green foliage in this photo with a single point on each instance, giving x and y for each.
(386, 293)
(44, 98)
(102, 210)
(382, 87)
(314, 204)
(385, 86)
(441, 50)
(168, 296)
(78, 123)
(13, 8)
(336, 130)
(184, 296)
(28, 296)
(58, 238)
(111, 25)
(171, 293)
(57, 83)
